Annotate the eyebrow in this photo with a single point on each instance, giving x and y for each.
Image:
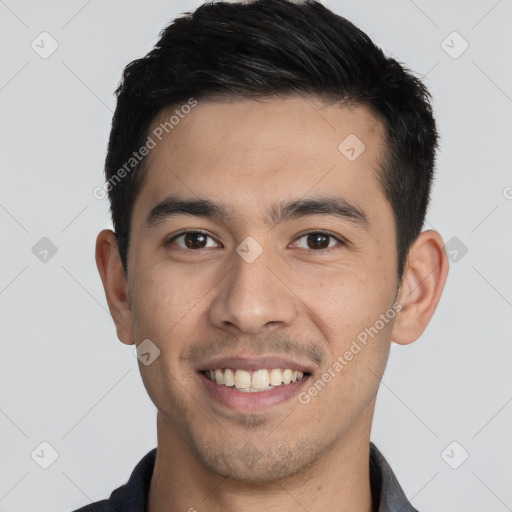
(280, 212)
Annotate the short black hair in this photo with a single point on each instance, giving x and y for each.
(275, 48)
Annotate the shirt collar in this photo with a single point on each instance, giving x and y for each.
(387, 494)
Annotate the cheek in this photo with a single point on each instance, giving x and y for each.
(347, 300)
(359, 343)
(165, 311)
(362, 328)
(349, 306)
(167, 299)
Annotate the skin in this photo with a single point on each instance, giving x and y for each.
(210, 301)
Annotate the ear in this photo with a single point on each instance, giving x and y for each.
(115, 284)
(424, 278)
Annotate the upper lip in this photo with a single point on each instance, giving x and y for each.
(254, 363)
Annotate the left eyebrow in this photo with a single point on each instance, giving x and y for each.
(278, 212)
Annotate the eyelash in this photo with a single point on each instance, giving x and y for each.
(320, 232)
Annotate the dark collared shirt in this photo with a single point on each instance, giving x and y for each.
(132, 496)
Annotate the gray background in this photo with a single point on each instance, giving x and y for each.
(66, 380)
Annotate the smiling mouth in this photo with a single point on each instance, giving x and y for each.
(254, 381)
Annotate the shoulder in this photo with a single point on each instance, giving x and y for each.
(99, 506)
(386, 490)
(132, 496)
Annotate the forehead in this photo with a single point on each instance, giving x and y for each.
(242, 152)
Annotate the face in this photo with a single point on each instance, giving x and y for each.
(256, 282)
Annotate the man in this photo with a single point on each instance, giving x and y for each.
(269, 171)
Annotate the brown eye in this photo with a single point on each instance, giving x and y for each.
(318, 240)
(193, 240)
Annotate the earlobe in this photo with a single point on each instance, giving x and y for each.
(115, 284)
(422, 285)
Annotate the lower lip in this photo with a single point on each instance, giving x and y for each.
(251, 401)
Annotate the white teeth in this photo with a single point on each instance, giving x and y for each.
(260, 380)
(276, 377)
(242, 379)
(229, 377)
(219, 377)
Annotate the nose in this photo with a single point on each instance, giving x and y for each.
(253, 298)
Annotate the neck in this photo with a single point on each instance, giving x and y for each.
(339, 480)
